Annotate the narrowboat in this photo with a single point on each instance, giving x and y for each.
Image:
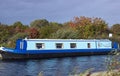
(51, 48)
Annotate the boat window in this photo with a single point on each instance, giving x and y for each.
(88, 45)
(72, 45)
(59, 45)
(40, 45)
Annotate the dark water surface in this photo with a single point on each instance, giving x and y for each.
(52, 67)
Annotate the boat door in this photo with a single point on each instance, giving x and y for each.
(21, 45)
(115, 45)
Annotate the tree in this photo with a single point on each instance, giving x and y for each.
(82, 25)
(89, 27)
(100, 25)
(46, 31)
(116, 29)
(18, 23)
(4, 33)
(65, 34)
(79, 22)
(12, 41)
(39, 23)
(33, 33)
(19, 27)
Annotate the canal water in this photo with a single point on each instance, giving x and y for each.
(53, 67)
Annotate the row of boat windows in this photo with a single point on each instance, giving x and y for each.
(58, 45)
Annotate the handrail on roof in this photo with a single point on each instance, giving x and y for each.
(67, 39)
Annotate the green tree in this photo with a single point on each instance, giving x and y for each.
(16, 24)
(19, 27)
(47, 30)
(4, 33)
(39, 23)
(12, 41)
(116, 29)
(65, 34)
(101, 27)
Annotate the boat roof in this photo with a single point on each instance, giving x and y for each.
(67, 39)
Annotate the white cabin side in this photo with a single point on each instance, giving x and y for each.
(50, 44)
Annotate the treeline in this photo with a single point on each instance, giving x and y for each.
(78, 28)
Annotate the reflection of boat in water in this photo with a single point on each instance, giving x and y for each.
(50, 48)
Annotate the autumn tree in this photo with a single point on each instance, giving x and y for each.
(80, 24)
(33, 33)
(89, 27)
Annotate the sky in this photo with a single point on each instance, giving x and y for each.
(60, 11)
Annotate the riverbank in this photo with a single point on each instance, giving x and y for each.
(107, 73)
(101, 73)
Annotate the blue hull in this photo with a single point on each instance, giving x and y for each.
(42, 54)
